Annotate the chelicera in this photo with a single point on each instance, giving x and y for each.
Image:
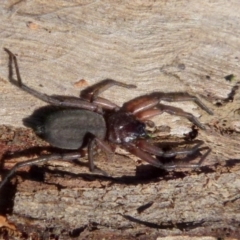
(69, 122)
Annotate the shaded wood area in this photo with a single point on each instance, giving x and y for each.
(62, 47)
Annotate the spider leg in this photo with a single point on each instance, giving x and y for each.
(91, 93)
(157, 163)
(147, 106)
(104, 147)
(160, 108)
(63, 101)
(46, 158)
(144, 155)
(152, 149)
(189, 165)
(149, 101)
(89, 101)
(182, 97)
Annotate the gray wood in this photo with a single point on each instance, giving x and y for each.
(159, 46)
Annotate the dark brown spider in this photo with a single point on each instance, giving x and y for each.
(69, 122)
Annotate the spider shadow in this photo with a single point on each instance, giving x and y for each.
(8, 191)
(183, 226)
(145, 174)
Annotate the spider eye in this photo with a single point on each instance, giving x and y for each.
(135, 130)
(141, 129)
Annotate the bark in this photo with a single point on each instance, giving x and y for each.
(159, 46)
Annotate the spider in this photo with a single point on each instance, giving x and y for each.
(70, 122)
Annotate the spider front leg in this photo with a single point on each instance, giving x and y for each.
(145, 107)
(144, 151)
(160, 108)
(149, 101)
(154, 150)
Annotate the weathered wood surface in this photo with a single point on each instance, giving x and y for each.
(159, 46)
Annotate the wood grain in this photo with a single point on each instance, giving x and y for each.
(159, 46)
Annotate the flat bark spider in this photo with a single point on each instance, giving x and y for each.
(67, 122)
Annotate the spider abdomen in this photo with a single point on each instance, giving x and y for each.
(66, 128)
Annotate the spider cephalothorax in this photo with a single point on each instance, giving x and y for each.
(124, 128)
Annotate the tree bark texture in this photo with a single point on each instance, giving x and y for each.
(168, 46)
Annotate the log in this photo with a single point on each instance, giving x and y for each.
(62, 47)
